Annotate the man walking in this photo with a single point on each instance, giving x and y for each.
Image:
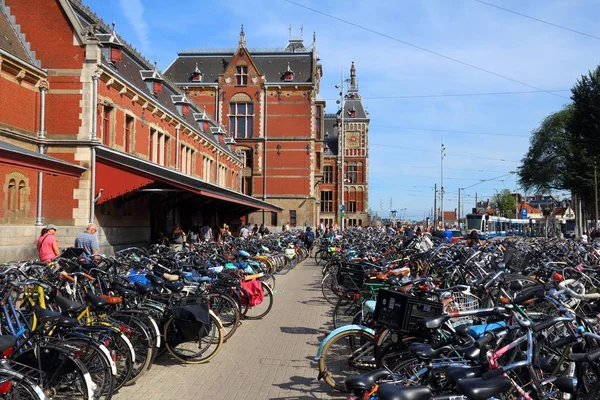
(88, 241)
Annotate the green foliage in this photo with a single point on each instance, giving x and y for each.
(504, 203)
(563, 149)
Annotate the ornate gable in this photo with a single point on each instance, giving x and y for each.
(241, 70)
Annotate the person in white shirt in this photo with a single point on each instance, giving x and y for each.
(244, 232)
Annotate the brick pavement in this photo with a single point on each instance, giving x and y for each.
(267, 359)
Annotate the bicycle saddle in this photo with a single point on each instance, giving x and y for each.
(95, 302)
(483, 389)
(69, 306)
(426, 351)
(174, 287)
(365, 381)
(143, 289)
(66, 322)
(170, 277)
(455, 374)
(155, 280)
(435, 322)
(44, 315)
(124, 291)
(393, 392)
(6, 342)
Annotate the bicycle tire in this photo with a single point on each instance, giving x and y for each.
(22, 389)
(142, 342)
(215, 337)
(329, 288)
(119, 347)
(346, 309)
(357, 342)
(98, 366)
(228, 312)
(262, 311)
(66, 376)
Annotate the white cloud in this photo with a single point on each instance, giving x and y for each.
(134, 12)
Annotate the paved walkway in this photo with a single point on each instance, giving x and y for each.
(267, 359)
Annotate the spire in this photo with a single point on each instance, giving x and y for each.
(197, 70)
(352, 76)
(242, 42)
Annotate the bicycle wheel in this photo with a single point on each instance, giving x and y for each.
(199, 351)
(66, 377)
(228, 312)
(321, 256)
(330, 289)
(262, 309)
(346, 308)
(347, 353)
(98, 365)
(120, 348)
(142, 343)
(21, 389)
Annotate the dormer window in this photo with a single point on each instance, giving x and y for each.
(185, 109)
(352, 112)
(153, 80)
(116, 54)
(197, 74)
(288, 75)
(241, 75)
(182, 104)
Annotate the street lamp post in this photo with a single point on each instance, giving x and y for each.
(443, 148)
(342, 103)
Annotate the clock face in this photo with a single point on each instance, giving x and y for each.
(352, 140)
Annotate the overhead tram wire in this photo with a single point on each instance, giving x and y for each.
(487, 71)
(448, 130)
(437, 152)
(538, 20)
(428, 96)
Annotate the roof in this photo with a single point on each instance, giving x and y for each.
(449, 216)
(559, 211)
(272, 64)
(355, 104)
(153, 171)
(11, 154)
(331, 135)
(134, 68)
(10, 39)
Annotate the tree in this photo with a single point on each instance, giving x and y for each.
(544, 167)
(504, 203)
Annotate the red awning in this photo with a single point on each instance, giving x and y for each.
(18, 156)
(115, 181)
(118, 174)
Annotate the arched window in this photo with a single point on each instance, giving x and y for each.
(241, 116)
(21, 196)
(360, 173)
(360, 200)
(12, 195)
(352, 172)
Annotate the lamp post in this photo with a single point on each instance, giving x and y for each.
(342, 103)
(442, 154)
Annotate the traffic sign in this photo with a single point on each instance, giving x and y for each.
(524, 213)
(342, 214)
(343, 207)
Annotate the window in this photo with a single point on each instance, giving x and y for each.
(241, 119)
(318, 157)
(273, 218)
(159, 147)
(247, 158)
(21, 196)
(292, 217)
(106, 111)
(116, 54)
(328, 174)
(187, 155)
(207, 166)
(222, 176)
(352, 173)
(157, 87)
(12, 195)
(247, 185)
(153, 145)
(352, 205)
(318, 121)
(128, 133)
(326, 201)
(241, 75)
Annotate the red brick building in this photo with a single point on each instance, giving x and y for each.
(269, 101)
(123, 146)
(354, 140)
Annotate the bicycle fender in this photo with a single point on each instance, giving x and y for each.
(340, 330)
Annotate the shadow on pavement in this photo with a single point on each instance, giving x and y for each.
(299, 330)
(307, 388)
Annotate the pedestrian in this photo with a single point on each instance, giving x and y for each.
(255, 229)
(47, 244)
(448, 234)
(206, 233)
(193, 235)
(88, 241)
(418, 231)
(473, 239)
(584, 238)
(177, 239)
(223, 232)
(261, 230)
(244, 232)
(309, 239)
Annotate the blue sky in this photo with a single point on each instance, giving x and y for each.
(405, 134)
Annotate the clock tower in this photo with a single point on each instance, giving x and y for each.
(356, 155)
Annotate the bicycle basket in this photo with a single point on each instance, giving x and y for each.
(462, 301)
(192, 321)
(351, 276)
(404, 313)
